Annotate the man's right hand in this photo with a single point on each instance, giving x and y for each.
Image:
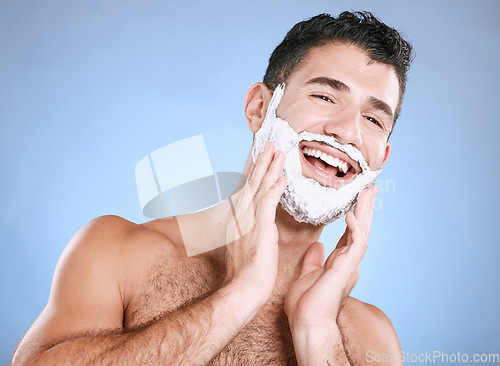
(252, 257)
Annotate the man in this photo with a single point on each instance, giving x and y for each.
(128, 294)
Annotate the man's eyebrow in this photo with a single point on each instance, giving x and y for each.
(339, 85)
(335, 84)
(382, 106)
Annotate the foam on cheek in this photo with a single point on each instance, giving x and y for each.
(304, 198)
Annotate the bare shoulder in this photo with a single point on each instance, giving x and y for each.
(121, 250)
(94, 279)
(115, 239)
(113, 232)
(368, 332)
(112, 243)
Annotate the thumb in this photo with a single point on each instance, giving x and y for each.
(313, 258)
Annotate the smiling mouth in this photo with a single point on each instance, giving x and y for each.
(327, 166)
(327, 163)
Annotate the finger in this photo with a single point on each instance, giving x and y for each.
(242, 200)
(313, 258)
(343, 240)
(374, 191)
(331, 258)
(254, 164)
(362, 205)
(341, 244)
(251, 197)
(274, 171)
(266, 208)
(261, 167)
(363, 213)
(357, 243)
(250, 172)
(244, 213)
(364, 209)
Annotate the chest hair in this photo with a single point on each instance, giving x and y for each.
(169, 285)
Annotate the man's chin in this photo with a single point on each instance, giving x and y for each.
(317, 212)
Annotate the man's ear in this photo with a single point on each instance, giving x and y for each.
(387, 153)
(256, 101)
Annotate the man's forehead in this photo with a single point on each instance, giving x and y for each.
(335, 57)
(332, 52)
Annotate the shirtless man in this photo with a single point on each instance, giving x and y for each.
(126, 294)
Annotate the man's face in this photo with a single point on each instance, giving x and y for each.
(338, 91)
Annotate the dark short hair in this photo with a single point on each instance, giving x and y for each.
(361, 29)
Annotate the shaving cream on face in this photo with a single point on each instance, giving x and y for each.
(304, 198)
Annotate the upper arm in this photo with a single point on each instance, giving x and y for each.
(383, 344)
(86, 292)
(369, 336)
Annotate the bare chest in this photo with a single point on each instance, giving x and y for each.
(266, 340)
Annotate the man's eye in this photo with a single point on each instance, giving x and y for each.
(323, 97)
(373, 120)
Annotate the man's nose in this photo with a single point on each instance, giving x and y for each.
(345, 127)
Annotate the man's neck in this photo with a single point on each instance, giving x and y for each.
(294, 240)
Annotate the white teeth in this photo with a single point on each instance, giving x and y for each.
(330, 160)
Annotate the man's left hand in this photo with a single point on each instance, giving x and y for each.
(315, 299)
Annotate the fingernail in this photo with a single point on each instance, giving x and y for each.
(267, 146)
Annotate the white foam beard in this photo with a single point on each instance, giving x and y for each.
(304, 198)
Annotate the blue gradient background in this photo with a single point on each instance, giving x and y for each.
(87, 88)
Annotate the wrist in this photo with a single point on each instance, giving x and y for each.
(245, 296)
(312, 323)
(254, 292)
(313, 345)
(327, 333)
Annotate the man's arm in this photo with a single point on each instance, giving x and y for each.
(82, 322)
(368, 335)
